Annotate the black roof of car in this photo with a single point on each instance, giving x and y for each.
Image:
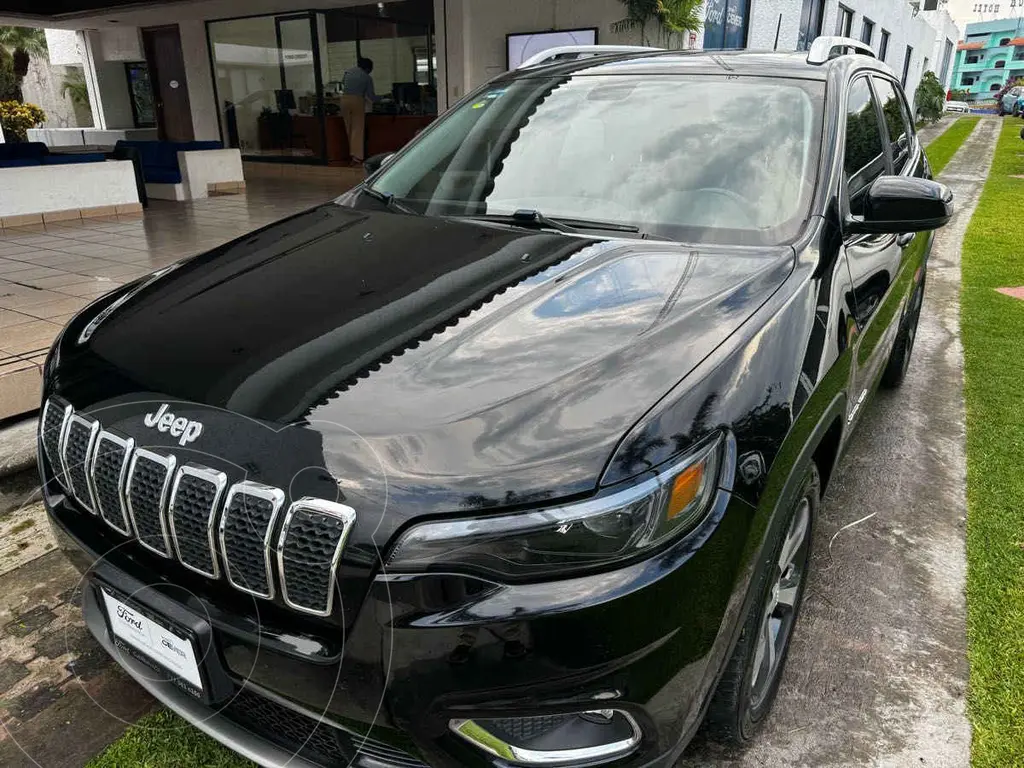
(740, 62)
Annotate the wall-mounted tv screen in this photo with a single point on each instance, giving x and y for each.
(523, 46)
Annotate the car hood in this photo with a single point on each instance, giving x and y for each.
(434, 363)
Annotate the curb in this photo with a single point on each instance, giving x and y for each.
(18, 447)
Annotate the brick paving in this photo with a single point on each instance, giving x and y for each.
(49, 272)
(62, 698)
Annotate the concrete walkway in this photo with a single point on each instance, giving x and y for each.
(877, 675)
(930, 132)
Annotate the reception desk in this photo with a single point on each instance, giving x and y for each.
(389, 133)
(301, 135)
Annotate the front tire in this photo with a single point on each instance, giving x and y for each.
(748, 687)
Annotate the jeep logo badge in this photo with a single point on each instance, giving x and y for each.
(186, 431)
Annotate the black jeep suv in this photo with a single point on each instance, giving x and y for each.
(512, 454)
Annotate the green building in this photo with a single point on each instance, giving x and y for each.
(991, 53)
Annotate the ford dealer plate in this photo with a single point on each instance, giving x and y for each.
(159, 644)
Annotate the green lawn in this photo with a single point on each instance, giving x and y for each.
(941, 150)
(164, 740)
(993, 339)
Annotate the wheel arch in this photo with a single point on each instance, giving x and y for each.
(816, 437)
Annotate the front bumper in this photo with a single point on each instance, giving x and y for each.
(647, 639)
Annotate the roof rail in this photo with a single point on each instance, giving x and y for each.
(825, 48)
(563, 52)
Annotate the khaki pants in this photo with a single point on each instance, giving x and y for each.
(353, 110)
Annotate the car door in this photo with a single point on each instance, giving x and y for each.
(874, 261)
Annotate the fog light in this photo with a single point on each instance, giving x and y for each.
(578, 737)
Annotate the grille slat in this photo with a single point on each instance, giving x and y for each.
(109, 472)
(308, 550)
(79, 441)
(314, 740)
(56, 413)
(149, 480)
(195, 499)
(138, 493)
(245, 530)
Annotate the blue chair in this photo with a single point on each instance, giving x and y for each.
(20, 154)
(159, 159)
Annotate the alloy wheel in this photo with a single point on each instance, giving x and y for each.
(780, 607)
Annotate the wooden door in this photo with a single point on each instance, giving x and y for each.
(170, 89)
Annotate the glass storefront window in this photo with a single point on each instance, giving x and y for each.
(279, 79)
(398, 39)
(725, 25)
(267, 86)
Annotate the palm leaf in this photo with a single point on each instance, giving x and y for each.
(681, 15)
(75, 88)
(28, 39)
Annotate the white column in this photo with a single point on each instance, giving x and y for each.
(88, 43)
(199, 79)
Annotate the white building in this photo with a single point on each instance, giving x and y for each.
(264, 76)
(910, 40)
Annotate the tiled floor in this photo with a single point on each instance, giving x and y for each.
(49, 272)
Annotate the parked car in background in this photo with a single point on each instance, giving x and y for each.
(1010, 104)
(957, 106)
(511, 455)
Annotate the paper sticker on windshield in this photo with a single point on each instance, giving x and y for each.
(480, 104)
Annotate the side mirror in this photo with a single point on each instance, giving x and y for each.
(373, 163)
(898, 204)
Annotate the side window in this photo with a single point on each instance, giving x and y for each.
(864, 158)
(898, 126)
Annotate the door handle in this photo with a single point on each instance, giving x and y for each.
(905, 239)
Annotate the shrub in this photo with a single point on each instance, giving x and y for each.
(930, 97)
(16, 118)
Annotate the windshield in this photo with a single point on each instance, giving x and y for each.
(706, 158)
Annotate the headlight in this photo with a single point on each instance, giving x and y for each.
(561, 540)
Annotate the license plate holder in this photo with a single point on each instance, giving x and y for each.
(188, 659)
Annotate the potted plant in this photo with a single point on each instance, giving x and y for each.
(16, 118)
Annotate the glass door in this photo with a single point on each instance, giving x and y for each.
(269, 89)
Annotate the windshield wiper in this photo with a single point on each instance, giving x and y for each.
(529, 217)
(389, 200)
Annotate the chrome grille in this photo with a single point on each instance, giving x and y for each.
(149, 480)
(195, 498)
(79, 438)
(56, 413)
(308, 551)
(109, 472)
(245, 530)
(138, 493)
